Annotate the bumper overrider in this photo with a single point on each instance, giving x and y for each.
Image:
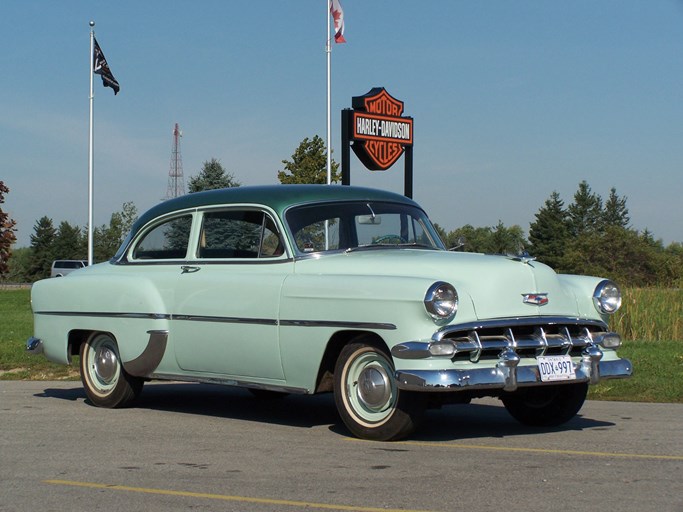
(501, 354)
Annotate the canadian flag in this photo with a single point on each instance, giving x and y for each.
(338, 16)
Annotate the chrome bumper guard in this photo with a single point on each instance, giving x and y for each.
(34, 346)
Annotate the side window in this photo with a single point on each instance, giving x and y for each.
(166, 241)
(239, 234)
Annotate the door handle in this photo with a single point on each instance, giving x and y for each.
(187, 269)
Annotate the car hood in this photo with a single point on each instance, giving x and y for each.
(495, 285)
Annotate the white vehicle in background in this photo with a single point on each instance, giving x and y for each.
(60, 268)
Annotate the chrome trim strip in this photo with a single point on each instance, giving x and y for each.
(225, 381)
(516, 322)
(333, 323)
(499, 378)
(95, 314)
(225, 319)
(228, 320)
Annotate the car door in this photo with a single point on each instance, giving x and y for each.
(227, 297)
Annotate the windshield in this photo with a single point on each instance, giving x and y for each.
(354, 225)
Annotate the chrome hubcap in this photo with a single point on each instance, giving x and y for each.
(106, 364)
(374, 388)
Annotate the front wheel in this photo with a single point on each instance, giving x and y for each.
(367, 398)
(105, 381)
(546, 406)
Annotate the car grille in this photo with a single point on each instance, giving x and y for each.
(527, 338)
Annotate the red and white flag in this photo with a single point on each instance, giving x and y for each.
(338, 16)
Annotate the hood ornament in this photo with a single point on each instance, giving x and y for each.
(535, 299)
(523, 256)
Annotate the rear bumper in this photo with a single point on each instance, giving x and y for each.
(34, 346)
(506, 376)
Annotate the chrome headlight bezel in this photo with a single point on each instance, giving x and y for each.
(441, 301)
(607, 297)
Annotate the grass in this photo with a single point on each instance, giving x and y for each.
(652, 314)
(650, 323)
(16, 326)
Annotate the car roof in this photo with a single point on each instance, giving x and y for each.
(277, 197)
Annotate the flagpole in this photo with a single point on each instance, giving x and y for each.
(91, 143)
(328, 50)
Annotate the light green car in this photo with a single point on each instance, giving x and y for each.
(311, 289)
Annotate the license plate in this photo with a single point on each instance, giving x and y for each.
(553, 368)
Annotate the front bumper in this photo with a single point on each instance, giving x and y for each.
(505, 376)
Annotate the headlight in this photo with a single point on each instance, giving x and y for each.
(607, 297)
(441, 301)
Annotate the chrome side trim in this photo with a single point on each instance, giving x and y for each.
(34, 346)
(502, 378)
(227, 319)
(341, 324)
(98, 314)
(147, 362)
(225, 381)
(224, 319)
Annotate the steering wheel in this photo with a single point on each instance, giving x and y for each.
(384, 238)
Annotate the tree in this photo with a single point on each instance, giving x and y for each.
(585, 213)
(616, 253)
(616, 212)
(19, 266)
(549, 233)
(7, 230)
(107, 239)
(506, 240)
(42, 248)
(496, 240)
(212, 176)
(69, 243)
(308, 164)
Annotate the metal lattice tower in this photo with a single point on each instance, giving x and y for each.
(176, 181)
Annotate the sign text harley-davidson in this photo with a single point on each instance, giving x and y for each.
(389, 129)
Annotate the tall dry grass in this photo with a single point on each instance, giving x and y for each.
(650, 314)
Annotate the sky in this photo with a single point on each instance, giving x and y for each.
(511, 101)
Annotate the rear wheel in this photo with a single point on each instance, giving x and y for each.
(105, 381)
(546, 406)
(367, 398)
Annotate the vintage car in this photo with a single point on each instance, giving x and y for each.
(313, 288)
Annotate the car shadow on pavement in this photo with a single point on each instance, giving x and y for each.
(480, 419)
(488, 420)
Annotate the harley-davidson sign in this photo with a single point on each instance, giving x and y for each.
(379, 132)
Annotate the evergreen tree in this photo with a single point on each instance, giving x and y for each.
(212, 176)
(69, 243)
(42, 250)
(616, 212)
(585, 213)
(549, 233)
(7, 237)
(308, 164)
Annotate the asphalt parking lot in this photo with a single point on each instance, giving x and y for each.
(201, 447)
